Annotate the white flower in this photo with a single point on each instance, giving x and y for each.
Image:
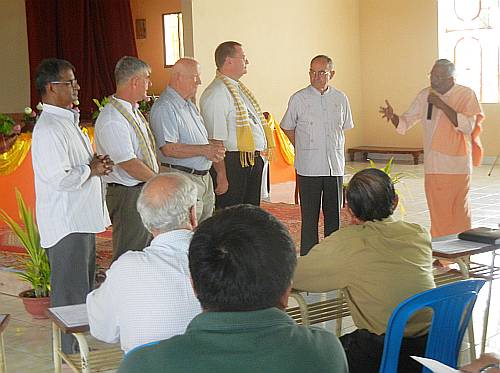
(76, 102)
(39, 106)
(101, 107)
(27, 110)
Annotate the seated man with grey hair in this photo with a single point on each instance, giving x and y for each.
(147, 295)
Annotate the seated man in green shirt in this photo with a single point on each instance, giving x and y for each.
(241, 262)
(379, 261)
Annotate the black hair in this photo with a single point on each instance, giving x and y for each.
(241, 259)
(49, 70)
(371, 195)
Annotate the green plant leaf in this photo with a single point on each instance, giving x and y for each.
(37, 267)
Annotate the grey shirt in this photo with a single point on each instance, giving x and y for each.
(319, 121)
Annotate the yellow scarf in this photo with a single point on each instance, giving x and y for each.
(244, 136)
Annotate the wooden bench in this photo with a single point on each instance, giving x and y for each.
(415, 152)
(336, 308)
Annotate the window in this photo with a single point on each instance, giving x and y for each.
(173, 43)
(469, 36)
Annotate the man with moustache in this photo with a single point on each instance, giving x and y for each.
(122, 132)
(451, 115)
(233, 117)
(182, 138)
(69, 196)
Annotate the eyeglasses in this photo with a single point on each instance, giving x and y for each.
(320, 74)
(72, 82)
(438, 78)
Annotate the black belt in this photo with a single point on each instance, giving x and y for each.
(256, 153)
(125, 186)
(186, 169)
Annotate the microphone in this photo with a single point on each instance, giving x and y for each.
(429, 111)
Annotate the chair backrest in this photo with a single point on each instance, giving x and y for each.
(452, 306)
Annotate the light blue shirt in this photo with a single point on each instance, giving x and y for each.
(319, 121)
(177, 120)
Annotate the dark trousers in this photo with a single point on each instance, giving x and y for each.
(364, 352)
(72, 264)
(316, 192)
(128, 231)
(244, 182)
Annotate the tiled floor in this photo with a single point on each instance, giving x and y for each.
(28, 341)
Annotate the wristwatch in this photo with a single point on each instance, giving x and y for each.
(486, 368)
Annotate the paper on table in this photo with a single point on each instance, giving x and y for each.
(72, 316)
(435, 366)
(455, 246)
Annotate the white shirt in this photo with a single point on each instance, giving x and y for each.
(219, 115)
(68, 200)
(115, 136)
(319, 121)
(434, 161)
(177, 120)
(147, 295)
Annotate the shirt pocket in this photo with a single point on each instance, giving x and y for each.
(305, 135)
(334, 130)
(306, 131)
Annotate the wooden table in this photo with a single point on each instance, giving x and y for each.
(4, 320)
(73, 320)
(459, 251)
(414, 152)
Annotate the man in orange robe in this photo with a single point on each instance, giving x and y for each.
(451, 117)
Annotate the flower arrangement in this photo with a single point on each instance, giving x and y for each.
(146, 104)
(100, 105)
(30, 116)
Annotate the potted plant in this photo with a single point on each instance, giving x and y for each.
(37, 268)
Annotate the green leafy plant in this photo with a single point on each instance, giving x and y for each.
(6, 125)
(144, 105)
(100, 105)
(37, 268)
(395, 177)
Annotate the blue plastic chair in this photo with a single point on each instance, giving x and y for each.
(452, 306)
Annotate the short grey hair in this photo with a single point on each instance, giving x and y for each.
(328, 60)
(127, 67)
(165, 201)
(450, 66)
